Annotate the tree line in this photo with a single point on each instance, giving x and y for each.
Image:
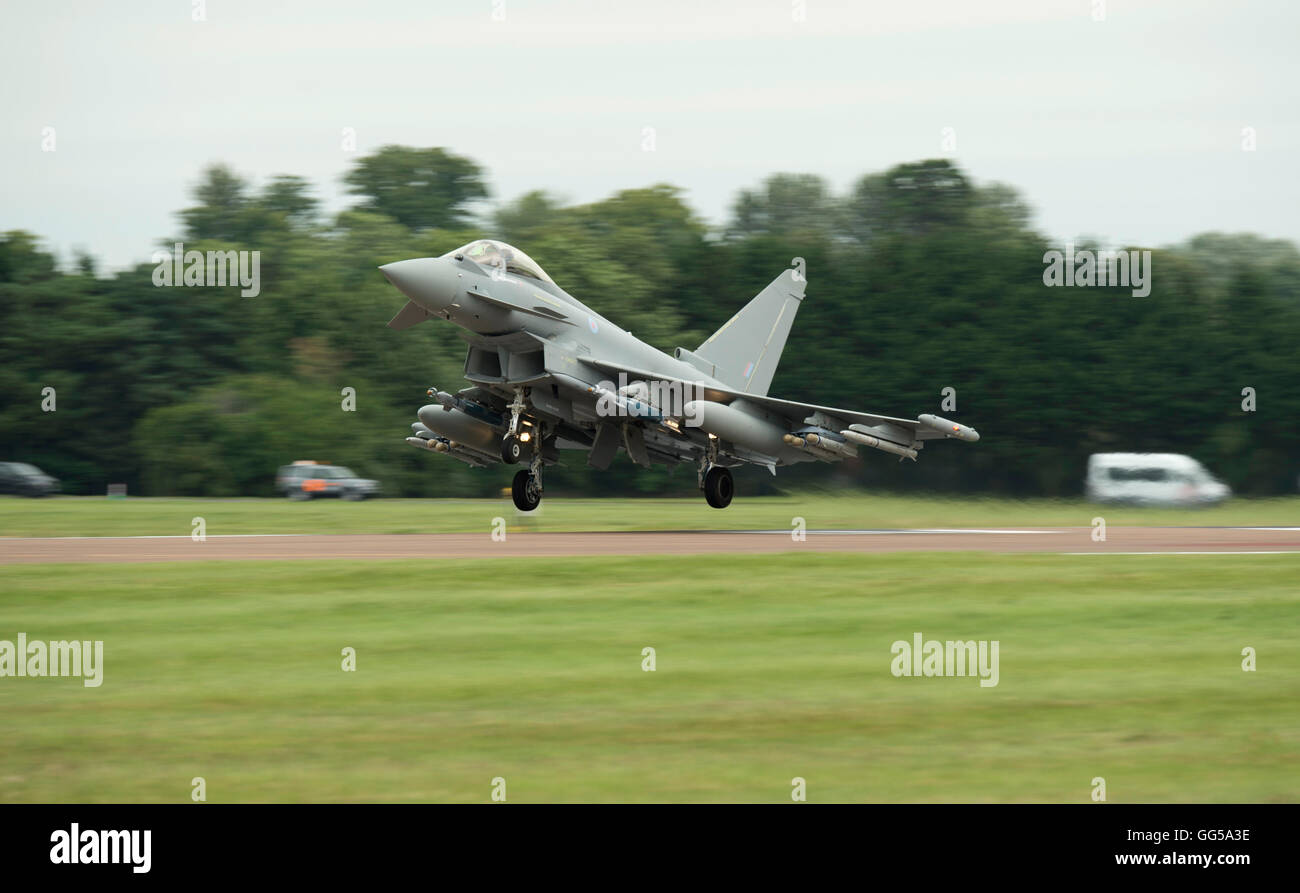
(920, 281)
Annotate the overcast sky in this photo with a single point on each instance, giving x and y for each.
(1129, 129)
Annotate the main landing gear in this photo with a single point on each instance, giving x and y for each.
(718, 487)
(715, 480)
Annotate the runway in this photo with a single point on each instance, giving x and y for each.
(532, 544)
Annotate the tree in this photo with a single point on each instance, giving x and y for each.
(926, 281)
(419, 188)
(290, 196)
(786, 204)
(21, 260)
(527, 216)
(222, 209)
(927, 194)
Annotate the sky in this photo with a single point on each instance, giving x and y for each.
(1137, 123)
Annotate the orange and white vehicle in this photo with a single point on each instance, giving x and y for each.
(307, 479)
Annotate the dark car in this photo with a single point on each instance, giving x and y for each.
(22, 479)
(304, 481)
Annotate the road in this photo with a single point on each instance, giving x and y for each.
(527, 544)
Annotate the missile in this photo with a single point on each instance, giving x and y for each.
(453, 449)
(820, 446)
(573, 384)
(435, 443)
(949, 428)
(472, 409)
(876, 443)
(461, 451)
(832, 446)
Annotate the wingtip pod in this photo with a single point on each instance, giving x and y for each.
(949, 427)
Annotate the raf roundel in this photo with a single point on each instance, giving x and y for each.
(591, 324)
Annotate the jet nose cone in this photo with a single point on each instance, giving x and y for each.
(428, 281)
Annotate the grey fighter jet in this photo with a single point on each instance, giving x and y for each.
(549, 373)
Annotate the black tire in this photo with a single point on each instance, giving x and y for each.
(511, 449)
(524, 493)
(719, 487)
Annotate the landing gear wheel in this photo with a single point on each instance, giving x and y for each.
(511, 449)
(524, 492)
(718, 487)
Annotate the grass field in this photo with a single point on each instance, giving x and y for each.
(97, 516)
(768, 667)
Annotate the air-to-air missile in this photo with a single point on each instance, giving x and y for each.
(861, 434)
(823, 444)
(451, 448)
(469, 407)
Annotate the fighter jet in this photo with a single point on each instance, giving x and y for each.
(548, 373)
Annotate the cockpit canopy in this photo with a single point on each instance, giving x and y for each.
(499, 255)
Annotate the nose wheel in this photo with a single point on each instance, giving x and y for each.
(526, 489)
(511, 450)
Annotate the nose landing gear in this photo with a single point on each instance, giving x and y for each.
(526, 489)
(512, 449)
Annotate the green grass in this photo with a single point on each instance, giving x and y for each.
(97, 516)
(769, 667)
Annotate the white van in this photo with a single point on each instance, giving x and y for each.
(1152, 479)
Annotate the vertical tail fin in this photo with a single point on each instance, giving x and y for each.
(747, 348)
